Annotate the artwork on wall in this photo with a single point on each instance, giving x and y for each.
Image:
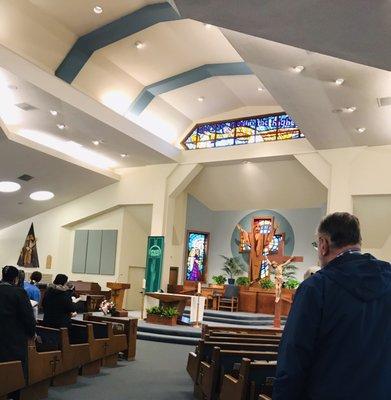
(29, 255)
(196, 255)
(261, 234)
(155, 250)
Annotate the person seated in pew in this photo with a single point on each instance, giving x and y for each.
(336, 342)
(17, 321)
(21, 278)
(33, 291)
(57, 304)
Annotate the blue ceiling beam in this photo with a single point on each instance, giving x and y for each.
(186, 78)
(119, 29)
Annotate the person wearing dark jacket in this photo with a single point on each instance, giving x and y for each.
(336, 343)
(17, 322)
(57, 304)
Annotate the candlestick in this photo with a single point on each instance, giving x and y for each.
(199, 287)
(144, 283)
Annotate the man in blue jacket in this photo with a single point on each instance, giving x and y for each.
(337, 340)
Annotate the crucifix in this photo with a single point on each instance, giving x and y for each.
(266, 248)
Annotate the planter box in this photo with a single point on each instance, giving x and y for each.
(159, 320)
(212, 286)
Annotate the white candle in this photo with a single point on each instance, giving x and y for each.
(199, 287)
(144, 283)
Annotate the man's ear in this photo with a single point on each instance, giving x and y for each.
(325, 246)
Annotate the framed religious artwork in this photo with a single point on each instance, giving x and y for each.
(196, 256)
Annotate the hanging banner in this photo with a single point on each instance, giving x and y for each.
(155, 251)
(29, 256)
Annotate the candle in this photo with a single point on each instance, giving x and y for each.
(199, 287)
(144, 283)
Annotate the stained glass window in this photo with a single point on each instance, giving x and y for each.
(197, 250)
(263, 128)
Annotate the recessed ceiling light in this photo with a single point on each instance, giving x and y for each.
(260, 89)
(361, 130)
(139, 45)
(41, 195)
(61, 126)
(96, 142)
(9, 187)
(201, 99)
(124, 155)
(351, 109)
(298, 68)
(208, 26)
(53, 112)
(339, 81)
(98, 10)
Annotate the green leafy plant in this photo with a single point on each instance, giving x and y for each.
(292, 283)
(266, 284)
(243, 281)
(169, 312)
(219, 279)
(156, 310)
(232, 266)
(165, 312)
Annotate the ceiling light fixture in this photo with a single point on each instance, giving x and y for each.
(260, 89)
(298, 68)
(61, 126)
(53, 112)
(139, 45)
(98, 10)
(9, 187)
(339, 81)
(124, 155)
(351, 109)
(41, 195)
(201, 99)
(208, 26)
(96, 142)
(361, 130)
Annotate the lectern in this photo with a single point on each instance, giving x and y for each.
(117, 294)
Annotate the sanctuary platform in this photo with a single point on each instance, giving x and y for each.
(183, 334)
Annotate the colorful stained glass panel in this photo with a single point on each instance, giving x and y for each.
(197, 250)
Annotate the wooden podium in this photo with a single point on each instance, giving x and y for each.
(117, 295)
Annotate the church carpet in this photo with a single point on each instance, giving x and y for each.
(158, 373)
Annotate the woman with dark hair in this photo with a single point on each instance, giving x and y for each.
(21, 278)
(57, 304)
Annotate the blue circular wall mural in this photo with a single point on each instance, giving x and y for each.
(245, 222)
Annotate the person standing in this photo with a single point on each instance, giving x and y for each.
(57, 303)
(33, 291)
(17, 322)
(336, 341)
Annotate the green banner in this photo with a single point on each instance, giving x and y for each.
(155, 251)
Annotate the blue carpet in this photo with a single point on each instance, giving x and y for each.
(158, 373)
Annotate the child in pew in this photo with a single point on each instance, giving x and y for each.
(33, 291)
(16, 320)
(58, 307)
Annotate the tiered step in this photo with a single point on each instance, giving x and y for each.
(190, 335)
(168, 334)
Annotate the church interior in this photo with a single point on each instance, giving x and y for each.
(174, 159)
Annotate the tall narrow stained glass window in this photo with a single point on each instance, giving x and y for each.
(196, 253)
(263, 128)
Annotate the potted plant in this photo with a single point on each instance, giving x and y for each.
(292, 284)
(267, 283)
(108, 307)
(162, 315)
(232, 267)
(243, 281)
(218, 281)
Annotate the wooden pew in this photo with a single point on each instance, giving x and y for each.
(42, 367)
(243, 335)
(248, 385)
(215, 329)
(264, 397)
(121, 325)
(116, 342)
(84, 333)
(239, 339)
(73, 355)
(204, 352)
(224, 361)
(11, 378)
